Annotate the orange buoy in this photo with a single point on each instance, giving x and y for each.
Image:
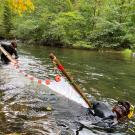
(31, 78)
(47, 82)
(20, 71)
(57, 78)
(39, 81)
(17, 67)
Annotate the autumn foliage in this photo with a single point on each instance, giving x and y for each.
(21, 6)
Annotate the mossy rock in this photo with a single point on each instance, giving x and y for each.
(127, 53)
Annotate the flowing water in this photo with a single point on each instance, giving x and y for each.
(32, 109)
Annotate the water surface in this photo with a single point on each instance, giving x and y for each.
(105, 76)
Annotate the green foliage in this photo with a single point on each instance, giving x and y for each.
(28, 30)
(7, 20)
(66, 28)
(79, 24)
(1, 23)
(112, 37)
(83, 45)
(127, 53)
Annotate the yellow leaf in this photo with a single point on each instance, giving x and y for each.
(21, 6)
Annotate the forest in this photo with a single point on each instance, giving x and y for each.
(89, 24)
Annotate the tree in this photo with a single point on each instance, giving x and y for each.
(7, 19)
(21, 6)
(98, 23)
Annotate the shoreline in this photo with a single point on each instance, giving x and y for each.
(105, 49)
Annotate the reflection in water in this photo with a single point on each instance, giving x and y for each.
(23, 104)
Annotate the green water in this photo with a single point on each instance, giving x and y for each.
(104, 75)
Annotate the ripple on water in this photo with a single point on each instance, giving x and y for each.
(25, 111)
(22, 111)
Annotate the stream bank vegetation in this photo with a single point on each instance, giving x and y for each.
(85, 24)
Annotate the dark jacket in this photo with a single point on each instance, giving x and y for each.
(108, 118)
(11, 50)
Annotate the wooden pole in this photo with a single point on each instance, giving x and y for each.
(77, 88)
(8, 55)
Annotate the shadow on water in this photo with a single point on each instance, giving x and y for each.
(24, 104)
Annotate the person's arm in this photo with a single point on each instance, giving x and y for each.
(16, 54)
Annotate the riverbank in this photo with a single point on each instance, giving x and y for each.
(125, 51)
(80, 46)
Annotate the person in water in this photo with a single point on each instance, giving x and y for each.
(11, 49)
(107, 118)
(122, 110)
